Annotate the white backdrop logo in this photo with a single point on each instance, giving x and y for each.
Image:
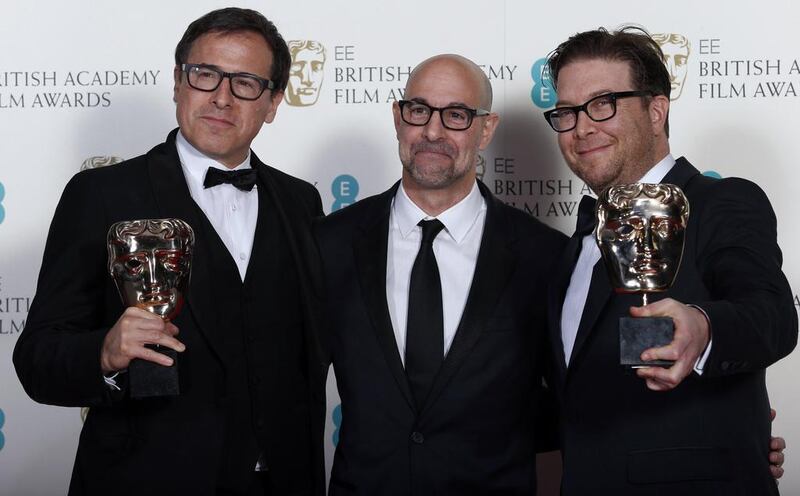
(306, 72)
(676, 50)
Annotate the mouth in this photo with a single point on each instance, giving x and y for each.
(649, 267)
(585, 151)
(433, 150)
(306, 91)
(156, 298)
(216, 121)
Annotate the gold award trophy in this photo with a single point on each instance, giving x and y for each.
(640, 232)
(150, 261)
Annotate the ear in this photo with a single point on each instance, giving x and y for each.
(275, 100)
(659, 110)
(490, 124)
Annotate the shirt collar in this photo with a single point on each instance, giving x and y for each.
(457, 219)
(196, 164)
(657, 173)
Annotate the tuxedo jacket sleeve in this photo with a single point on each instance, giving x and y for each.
(57, 356)
(749, 304)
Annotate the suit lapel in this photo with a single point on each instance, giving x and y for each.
(495, 264)
(174, 200)
(370, 250)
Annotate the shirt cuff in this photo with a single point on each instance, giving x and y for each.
(111, 380)
(700, 364)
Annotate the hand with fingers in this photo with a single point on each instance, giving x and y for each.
(126, 340)
(692, 332)
(776, 446)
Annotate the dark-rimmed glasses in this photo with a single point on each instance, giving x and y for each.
(600, 108)
(243, 85)
(456, 118)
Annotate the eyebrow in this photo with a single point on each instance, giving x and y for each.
(238, 73)
(593, 94)
(451, 104)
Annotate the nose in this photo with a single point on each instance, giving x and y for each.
(584, 126)
(150, 272)
(434, 129)
(223, 96)
(305, 75)
(644, 240)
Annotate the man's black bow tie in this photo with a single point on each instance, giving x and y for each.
(244, 179)
(586, 216)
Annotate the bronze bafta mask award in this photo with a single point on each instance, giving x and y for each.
(150, 261)
(640, 232)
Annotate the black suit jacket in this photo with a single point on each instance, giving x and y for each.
(475, 433)
(176, 445)
(710, 435)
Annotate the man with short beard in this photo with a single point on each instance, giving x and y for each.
(701, 426)
(435, 299)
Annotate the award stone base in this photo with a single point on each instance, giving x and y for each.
(147, 379)
(639, 334)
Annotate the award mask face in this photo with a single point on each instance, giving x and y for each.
(150, 261)
(640, 233)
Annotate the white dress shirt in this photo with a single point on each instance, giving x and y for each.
(578, 289)
(456, 250)
(232, 212)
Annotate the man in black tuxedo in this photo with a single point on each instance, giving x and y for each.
(435, 296)
(250, 414)
(702, 425)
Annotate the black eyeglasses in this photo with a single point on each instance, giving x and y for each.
(455, 118)
(600, 108)
(243, 85)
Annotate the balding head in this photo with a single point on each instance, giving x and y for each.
(470, 69)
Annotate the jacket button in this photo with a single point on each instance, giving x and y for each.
(417, 437)
(725, 365)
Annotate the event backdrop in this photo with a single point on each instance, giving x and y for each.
(85, 84)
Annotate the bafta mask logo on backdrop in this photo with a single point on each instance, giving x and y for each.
(543, 94)
(100, 161)
(676, 50)
(306, 73)
(480, 167)
(345, 191)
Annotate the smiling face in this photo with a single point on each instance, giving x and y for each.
(621, 149)
(641, 230)
(217, 123)
(150, 261)
(433, 156)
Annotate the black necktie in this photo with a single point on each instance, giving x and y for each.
(586, 216)
(244, 179)
(425, 326)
